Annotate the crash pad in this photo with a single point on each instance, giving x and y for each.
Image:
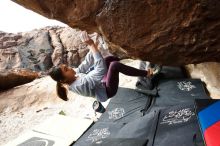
(177, 91)
(178, 126)
(125, 106)
(208, 112)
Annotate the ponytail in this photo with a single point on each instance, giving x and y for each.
(62, 91)
(56, 74)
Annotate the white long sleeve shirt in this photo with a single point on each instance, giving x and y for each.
(91, 84)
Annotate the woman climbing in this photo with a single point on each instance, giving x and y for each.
(101, 82)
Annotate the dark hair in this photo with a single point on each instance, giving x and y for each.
(56, 74)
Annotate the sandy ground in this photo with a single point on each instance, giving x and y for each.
(25, 106)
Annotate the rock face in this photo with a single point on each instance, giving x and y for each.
(39, 50)
(12, 78)
(210, 74)
(29, 50)
(171, 32)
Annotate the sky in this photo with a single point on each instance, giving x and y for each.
(15, 18)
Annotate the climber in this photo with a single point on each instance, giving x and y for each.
(101, 82)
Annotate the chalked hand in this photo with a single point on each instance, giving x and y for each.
(85, 38)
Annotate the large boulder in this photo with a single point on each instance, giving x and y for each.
(31, 50)
(171, 32)
(13, 78)
(209, 73)
(40, 49)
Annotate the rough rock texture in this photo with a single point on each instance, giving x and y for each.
(39, 50)
(209, 73)
(172, 32)
(30, 50)
(12, 78)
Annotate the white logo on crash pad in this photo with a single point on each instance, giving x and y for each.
(178, 116)
(98, 134)
(185, 86)
(117, 113)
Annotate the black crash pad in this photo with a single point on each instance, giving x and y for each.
(170, 72)
(100, 130)
(178, 126)
(125, 106)
(174, 125)
(142, 129)
(178, 91)
(123, 123)
(121, 142)
(122, 113)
